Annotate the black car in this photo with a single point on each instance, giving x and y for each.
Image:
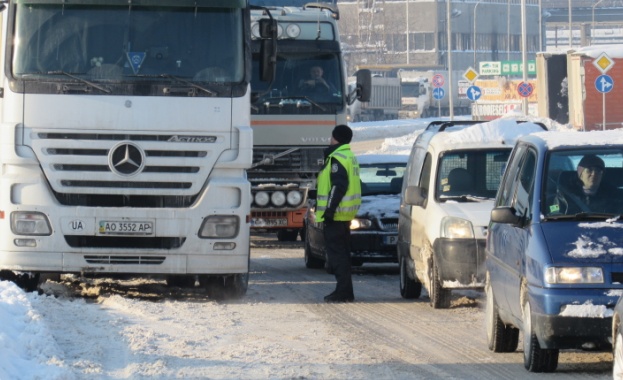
(374, 231)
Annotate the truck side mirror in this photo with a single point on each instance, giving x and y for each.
(268, 60)
(364, 85)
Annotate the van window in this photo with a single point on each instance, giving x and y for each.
(425, 178)
(525, 188)
(505, 196)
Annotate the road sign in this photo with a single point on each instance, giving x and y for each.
(438, 93)
(603, 63)
(604, 83)
(474, 93)
(470, 74)
(525, 89)
(438, 81)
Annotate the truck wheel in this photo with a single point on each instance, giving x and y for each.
(500, 338)
(223, 287)
(409, 288)
(311, 261)
(181, 281)
(439, 297)
(535, 359)
(287, 235)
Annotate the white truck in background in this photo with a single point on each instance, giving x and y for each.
(418, 97)
(385, 101)
(125, 141)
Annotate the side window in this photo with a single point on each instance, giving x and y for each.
(525, 186)
(413, 170)
(505, 196)
(425, 177)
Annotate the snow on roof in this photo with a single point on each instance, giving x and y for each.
(366, 159)
(499, 132)
(594, 51)
(557, 139)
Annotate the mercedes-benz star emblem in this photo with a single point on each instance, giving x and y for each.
(126, 159)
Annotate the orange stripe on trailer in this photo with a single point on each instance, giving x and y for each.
(293, 122)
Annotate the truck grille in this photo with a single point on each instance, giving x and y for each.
(302, 162)
(140, 170)
(127, 260)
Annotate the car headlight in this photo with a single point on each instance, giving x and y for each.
(294, 197)
(30, 223)
(456, 228)
(220, 227)
(262, 198)
(360, 224)
(574, 275)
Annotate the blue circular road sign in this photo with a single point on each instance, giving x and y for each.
(474, 93)
(604, 83)
(438, 93)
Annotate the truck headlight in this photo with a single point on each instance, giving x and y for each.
(30, 223)
(360, 224)
(262, 198)
(294, 197)
(574, 275)
(278, 198)
(456, 228)
(220, 227)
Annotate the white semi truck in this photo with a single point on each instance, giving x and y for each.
(125, 140)
(291, 123)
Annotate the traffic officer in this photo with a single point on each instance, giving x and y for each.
(337, 203)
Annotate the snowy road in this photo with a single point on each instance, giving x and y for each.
(281, 330)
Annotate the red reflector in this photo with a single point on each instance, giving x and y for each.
(1, 214)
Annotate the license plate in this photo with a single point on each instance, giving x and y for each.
(390, 240)
(263, 222)
(112, 227)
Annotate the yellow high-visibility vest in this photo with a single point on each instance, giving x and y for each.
(349, 205)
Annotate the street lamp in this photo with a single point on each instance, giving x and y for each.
(593, 21)
(449, 15)
(407, 31)
(475, 16)
(570, 27)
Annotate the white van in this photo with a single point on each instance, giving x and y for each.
(451, 180)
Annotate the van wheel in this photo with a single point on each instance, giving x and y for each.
(500, 338)
(535, 359)
(439, 297)
(409, 288)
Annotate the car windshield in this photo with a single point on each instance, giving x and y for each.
(584, 184)
(383, 178)
(470, 175)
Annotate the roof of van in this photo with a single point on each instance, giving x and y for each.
(561, 140)
(496, 133)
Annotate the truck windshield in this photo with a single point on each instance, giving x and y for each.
(120, 43)
(304, 83)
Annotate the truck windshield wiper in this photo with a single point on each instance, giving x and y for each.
(88, 82)
(189, 83)
(277, 100)
(584, 216)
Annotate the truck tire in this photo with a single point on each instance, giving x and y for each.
(181, 281)
(409, 288)
(224, 287)
(287, 235)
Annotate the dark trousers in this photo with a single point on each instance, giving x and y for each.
(337, 244)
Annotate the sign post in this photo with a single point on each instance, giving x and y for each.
(473, 92)
(438, 92)
(604, 83)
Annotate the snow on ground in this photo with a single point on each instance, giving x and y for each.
(28, 338)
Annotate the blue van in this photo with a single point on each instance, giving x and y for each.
(554, 265)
